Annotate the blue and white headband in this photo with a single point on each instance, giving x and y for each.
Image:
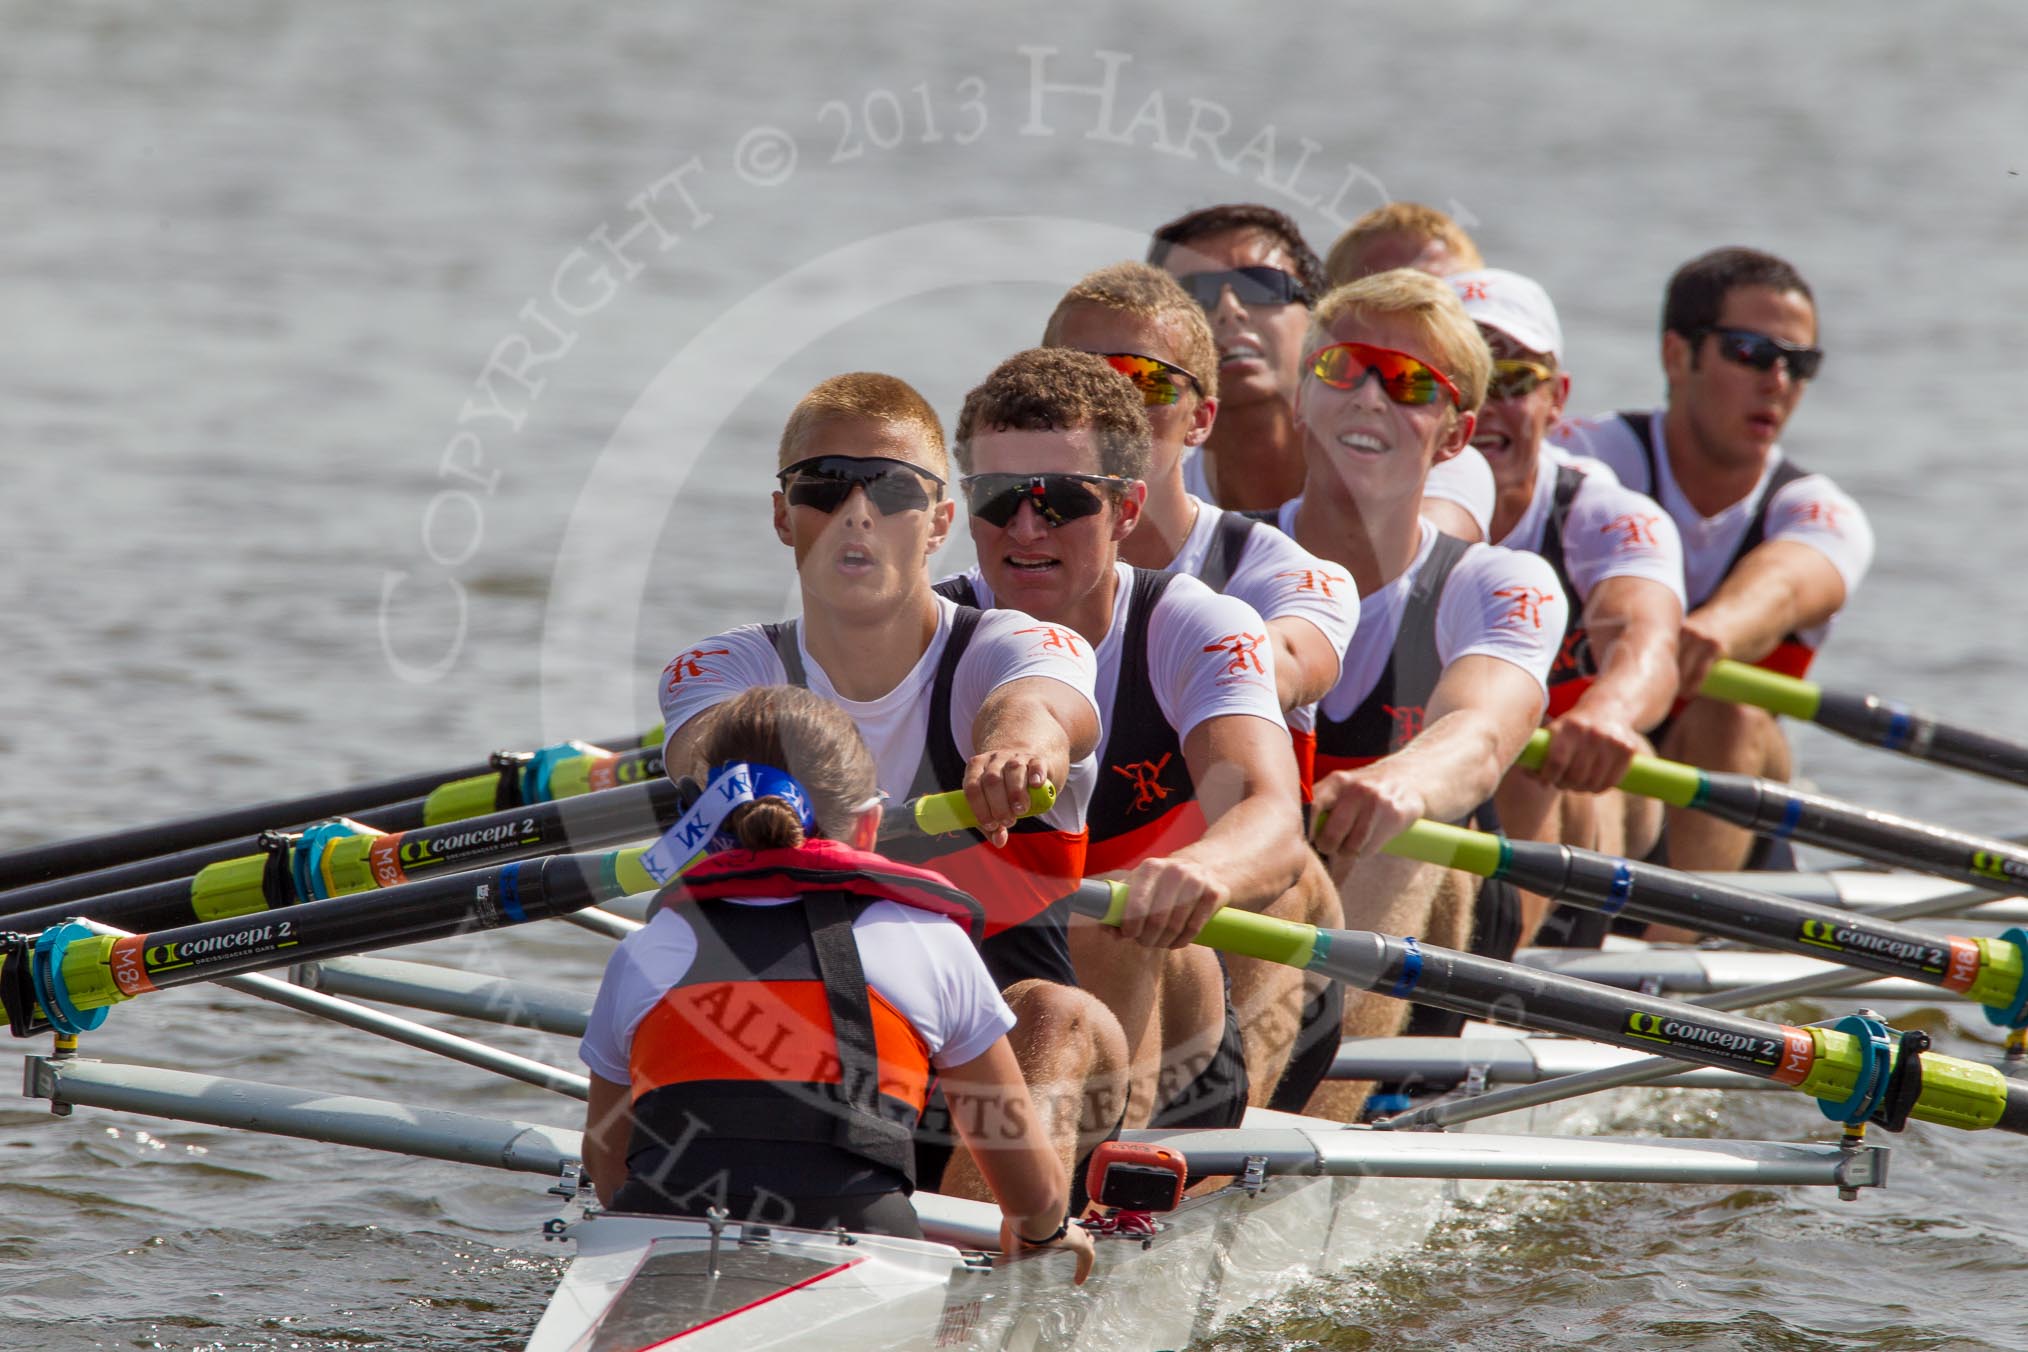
(699, 831)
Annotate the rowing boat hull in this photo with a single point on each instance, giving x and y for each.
(1211, 1259)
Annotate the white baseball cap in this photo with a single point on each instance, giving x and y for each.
(1515, 305)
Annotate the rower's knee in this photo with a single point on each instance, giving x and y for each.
(1737, 737)
(1064, 1017)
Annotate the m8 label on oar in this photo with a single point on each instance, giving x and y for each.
(1937, 960)
(134, 962)
(1792, 1048)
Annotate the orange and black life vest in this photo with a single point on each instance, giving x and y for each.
(773, 1034)
(1025, 885)
(1792, 656)
(1392, 713)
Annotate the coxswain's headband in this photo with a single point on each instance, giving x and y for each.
(699, 831)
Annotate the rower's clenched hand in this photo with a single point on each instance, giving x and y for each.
(1589, 751)
(1168, 901)
(1358, 811)
(1698, 648)
(996, 788)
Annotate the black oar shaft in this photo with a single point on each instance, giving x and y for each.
(1650, 892)
(249, 884)
(1885, 723)
(408, 815)
(57, 859)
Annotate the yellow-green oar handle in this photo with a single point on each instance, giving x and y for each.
(939, 814)
(1649, 776)
(1740, 683)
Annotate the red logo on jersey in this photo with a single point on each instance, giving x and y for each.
(1242, 650)
(691, 664)
(1817, 514)
(1527, 604)
(1315, 580)
(1407, 722)
(1473, 291)
(1635, 529)
(1059, 640)
(1145, 776)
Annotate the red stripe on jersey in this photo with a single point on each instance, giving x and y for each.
(1166, 834)
(1304, 743)
(1016, 883)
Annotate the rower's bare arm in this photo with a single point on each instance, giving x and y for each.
(1027, 731)
(1778, 588)
(1633, 623)
(1452, 519)
(1252, 850)
(608, 1125)
(1479, 717)
(996, 1120)
(679, 752)
(1306, 663)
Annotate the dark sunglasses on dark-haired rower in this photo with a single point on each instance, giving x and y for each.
(1251, 286)
(1747, 347)
(1057, 498)
(825, 481)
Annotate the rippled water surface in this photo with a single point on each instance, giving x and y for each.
(348, 431)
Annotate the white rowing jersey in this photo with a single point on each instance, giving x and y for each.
(1465, 479)
(922, 964)
(1007, 646)
(1496, 602)
(1608, 530)
(1808, 509)
(1193, 634)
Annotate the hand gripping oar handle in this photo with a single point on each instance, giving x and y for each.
(1777, 810)
(1870, 719)
(1853, 1074)
(941, 814)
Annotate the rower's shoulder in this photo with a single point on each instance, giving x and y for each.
(1603, 441)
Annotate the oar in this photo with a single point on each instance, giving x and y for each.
(1870, 719)
(573, 776)
(69, 975)
(500, 781)
(1775, 809)
(1855, 1069)
(340, 858)
(1990, 972)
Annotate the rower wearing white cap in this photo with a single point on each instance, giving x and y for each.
(1771, 551)
(1620, 561)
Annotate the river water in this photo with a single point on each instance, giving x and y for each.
(387, 383)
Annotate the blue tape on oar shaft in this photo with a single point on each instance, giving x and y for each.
(510, 894)
(1411, 969)
(1900, 726)
(1620, 892)
(1792, 812)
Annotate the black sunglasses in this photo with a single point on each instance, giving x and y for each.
(825, 481)
(1252, 286)
(1057, 498)
(1749, 348)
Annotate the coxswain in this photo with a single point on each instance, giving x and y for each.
(1197, 803)
(764, 1045)
(1149, 330)
(1620, 562)
(946, 699)
(1771, 551)
(1445, 676)
(1256, 277)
